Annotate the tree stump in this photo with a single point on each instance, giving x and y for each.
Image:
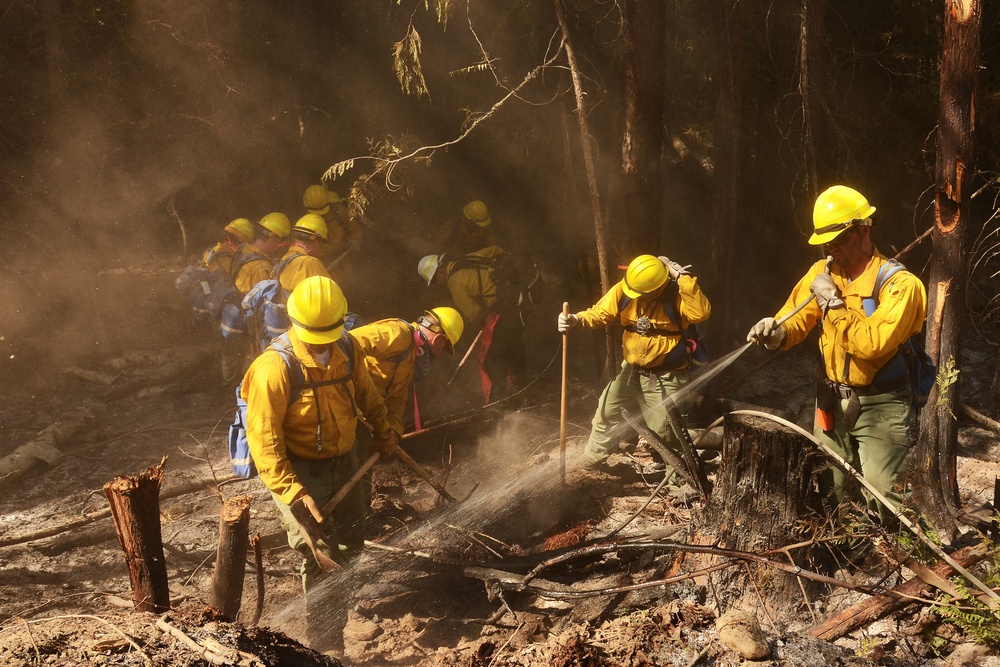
(135, 508)
(230, 562)
(764, 491)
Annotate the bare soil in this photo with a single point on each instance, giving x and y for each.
(430, 589)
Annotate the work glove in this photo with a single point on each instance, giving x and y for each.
(675, 269)
(386, 445)
(768, 332)
(567, 322)
(313, 508)
(827, 294)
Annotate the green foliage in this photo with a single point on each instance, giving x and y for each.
(866, 646)
(406, 64)
(946, 377)
(969, 613)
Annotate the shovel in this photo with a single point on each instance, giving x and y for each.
(311, 529)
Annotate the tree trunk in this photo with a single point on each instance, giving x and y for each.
(230, 562)
(135, 508)
(935, 479)
(764, 486)
(810, 66)
(642, 136)
(726, 157)
(589, 166)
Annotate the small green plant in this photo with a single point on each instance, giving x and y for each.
(866, 646)
(946, 377)
(972, 616)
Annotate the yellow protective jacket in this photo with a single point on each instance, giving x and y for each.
(650, 351)
(472, 289)
(218, 256)
(253, 271)
(298, 269)
(855, 346)
(391, 355)
(274, 428)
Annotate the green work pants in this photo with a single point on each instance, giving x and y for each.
(876, 447)
(345, 530)
(632, 390)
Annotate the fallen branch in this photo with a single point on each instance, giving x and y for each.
(979, 418)
(906, 593)
(181, 636)
(45, 448)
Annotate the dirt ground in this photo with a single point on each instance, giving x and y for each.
(436, 586)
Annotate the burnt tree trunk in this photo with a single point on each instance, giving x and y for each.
(810, 72)
(643, 41)
(231, 557)
(726, 157)
(135, 508)
(764, 487)
(935, 479)
(591, 170)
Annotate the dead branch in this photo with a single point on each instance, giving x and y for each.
(183, 638)
(979, 418)
(906, 593)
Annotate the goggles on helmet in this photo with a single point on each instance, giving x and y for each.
(327, 327)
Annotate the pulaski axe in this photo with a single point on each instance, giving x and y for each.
(312, 531)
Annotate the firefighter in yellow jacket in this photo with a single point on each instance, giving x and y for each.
(310, 238)
(302, 438)
(271, 236)
(492, 310)
(864, 403)
(399, 353)
(657, 356)
(344, 235)
(234, 235)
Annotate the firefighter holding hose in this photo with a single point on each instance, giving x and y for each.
(868, 306)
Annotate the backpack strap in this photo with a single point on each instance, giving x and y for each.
(669, 308)
(240, 259)
(895, 369)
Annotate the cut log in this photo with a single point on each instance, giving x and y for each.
(874, 608)
(230, 565)
(764, 487)
(135, 508)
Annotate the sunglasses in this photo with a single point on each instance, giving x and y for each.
(842, 238)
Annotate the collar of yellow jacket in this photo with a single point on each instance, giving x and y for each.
(864, 284)
(305, 356)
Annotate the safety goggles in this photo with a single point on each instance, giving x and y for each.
(843, 237)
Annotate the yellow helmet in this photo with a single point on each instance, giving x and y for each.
(317, 308)
(316, 199)
(334, 197)
(451, 323)
(313, 225)
(428, 266)
(838, 208)
(277, 224)
(645, 274)
(476, 211)
(242, 229)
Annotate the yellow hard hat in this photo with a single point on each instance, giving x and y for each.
(428, 266)
(242, 229)
(838, 208)
(451, 323)
(316, 309)
(316, 199)
(476, 211)
(312, 224)
(334, 197)
(645, 274)
(277, 224)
